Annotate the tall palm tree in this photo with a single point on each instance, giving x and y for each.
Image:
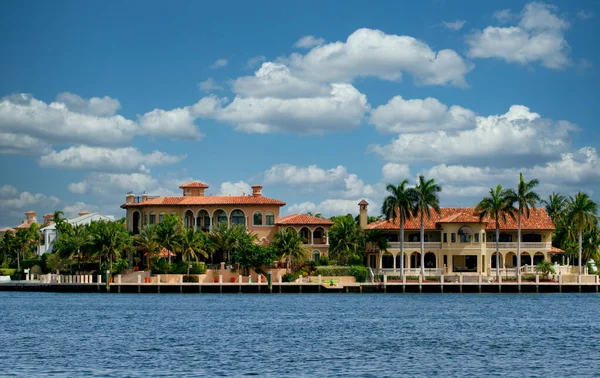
(288, 245)
(146, 242)
(169, 233)
(525, 199)
(495, 207)
(344, 238)
(193, 244)
(555, 205)
(582, 212)
(426, 198)
(110, 239)
(399, 204)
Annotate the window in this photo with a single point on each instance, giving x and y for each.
(161, 216)
(453, 237)
(483, 237)
(220, 217)
(257, 219)
(145, 219)
(152, 218)
(465, 238)
(318, 234)
(476, 237)
(445, 237)
(270, 219)
(316, 255)
(237, 217)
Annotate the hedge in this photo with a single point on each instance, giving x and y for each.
(359, 272)
(7, 271)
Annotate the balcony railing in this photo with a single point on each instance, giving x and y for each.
(513, 245)
(411, 245)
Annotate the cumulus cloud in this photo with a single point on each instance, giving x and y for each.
(454, 25)
(289, 174)
(209, 85)
(516, 136)
(369, 52)
(109, 183)
(503, 15)
(395, 172)
(8, 191)
(102, 159)
(416, 115)
(330, 207)
(219, 63)
(539, 36)
(14, 203)
(309, 41)
(73, 209)
(95, 106)
(176, 123)
(239, 188)
(255, 60)
(585, 15)
(18, 144)
(26, 200)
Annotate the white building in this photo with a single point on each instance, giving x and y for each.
(83, 218)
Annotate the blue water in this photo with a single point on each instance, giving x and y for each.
(543, 335)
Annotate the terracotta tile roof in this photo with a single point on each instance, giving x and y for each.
(206, 200)
(6, 229)
(193, 184)
(538, 220)
(303, 219)
(24, 225)
(554, 249)
(363, 202)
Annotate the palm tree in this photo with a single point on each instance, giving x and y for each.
(495, 207)
(525, 199)
(193, 244)
(345, 237)
(426, 197)
(146, 242)
(287, 243)
(399, 204)
(110, 239)
(169, 233)
(555, 205)
(582, 212)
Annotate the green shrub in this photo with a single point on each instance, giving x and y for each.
(359, 272)
(198, 268)
(36, 269)
(333, 270)
(7, 271)
(509, 278)
(527, 277)
(355, 260)
(324, 261)
(28, 263)
(432, 278)
(190, 279)
(393, 278)
(412, 278)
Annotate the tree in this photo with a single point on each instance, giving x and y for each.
(525, 199)
(545, 268)
(254, 256)
(193, 244)
(146, 242)
(8, 245)
(582, 213)
(287, 244)
(169, 233)
(110, 240)
(399, 204)
(496, 207)
(426, 198)
(555, 206)
(344, 239)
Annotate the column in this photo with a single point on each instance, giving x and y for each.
(194, 222)
(394, 262)
(210, 222)
(380, 260)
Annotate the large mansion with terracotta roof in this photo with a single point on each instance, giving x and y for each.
(257, 213)
(457, 241)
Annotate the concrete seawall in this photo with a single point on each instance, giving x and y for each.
(283, 288)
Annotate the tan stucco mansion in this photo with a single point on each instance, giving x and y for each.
(457, 241)
(257, 213)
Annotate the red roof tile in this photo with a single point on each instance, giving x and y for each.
(363, 202)
(554, 249)
(303, 219)
(193, 184)
(538, 220)
(206, 200)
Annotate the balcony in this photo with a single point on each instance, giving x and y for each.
(513, 246)
(416, 245)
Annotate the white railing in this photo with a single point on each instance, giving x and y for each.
(411, 271)
(413, 245)
(513, 245)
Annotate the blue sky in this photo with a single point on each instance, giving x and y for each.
(322, 104)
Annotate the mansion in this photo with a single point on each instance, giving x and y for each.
(257, 213)
(458, 241)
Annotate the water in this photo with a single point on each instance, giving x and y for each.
(51, 334)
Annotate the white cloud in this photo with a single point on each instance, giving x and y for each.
(209, 85)
(309, 41)
(369, 52)
(305, 176)
(416, 115)
(73, 209)
(454, 25)
(503, 15)
(95, 106)
(585, 15)
(239, 188)
(27, 200)
(516, 136)
(111, 183)
(14, 203)
(538, 37)
(87, 158)
(255, 60)
(395, 172)
(330, 207)
(8, 191)
(219, 63)
(18, 144)
(175, 123)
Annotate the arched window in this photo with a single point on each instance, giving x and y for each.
(316, 255)
(219, 216)
(152, 218)
(237, 217)
(319, 236)
(305, 234)
(270, 218)
(203, 220)
(257, 219)
(161, 217)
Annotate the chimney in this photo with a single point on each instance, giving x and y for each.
(83, 213)
(256, 191)
(31, 217)
(144, 196)
(48, 218)
(129, 197)
(363, 214)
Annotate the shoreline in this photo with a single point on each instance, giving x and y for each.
(295, 288)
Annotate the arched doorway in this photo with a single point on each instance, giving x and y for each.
(538, 258)
(203, 221)
(305, 234)
(415, 260)
(319, 236)
(493, 260)
(219, 216)
(238, 218)
(511, 260)
(525, 259)
(135, 222)
(430, 260)
(398, 257)
(188, 219)
(316, 256)
(387, 261)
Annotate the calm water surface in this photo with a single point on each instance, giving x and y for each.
(552, 335)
